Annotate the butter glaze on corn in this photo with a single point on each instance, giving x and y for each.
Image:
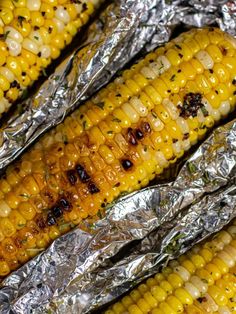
(32, 33)
(199, 282)
(116, 142)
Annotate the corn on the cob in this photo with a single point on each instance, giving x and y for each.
(201, 281)
(32, 33)
(117, 141)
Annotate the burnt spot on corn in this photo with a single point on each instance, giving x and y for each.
(126, 164)
(185, 136)
(72, 176)
(51, 220)
(57, 211)
(82, 173)
(93, 189)
(131, 137)
(145, 127)
(191, 104)
(139, 134)
(64, 203)
(40, 222)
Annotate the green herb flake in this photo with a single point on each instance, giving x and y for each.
(204, 111)
(110, 132)
(154, 114)
(56, 78)
(44, 72)
(84, 125)
(21, 19)
(116, 120)
(25, 195)
(36, 37)
(191, 167)
(173, 78)
(100, 104)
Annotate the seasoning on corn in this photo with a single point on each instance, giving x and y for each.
(201, 281)
(118, 141)
(32, 33)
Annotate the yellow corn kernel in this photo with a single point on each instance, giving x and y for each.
(7, 227)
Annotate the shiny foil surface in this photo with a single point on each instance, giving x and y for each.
(122, 30)
(99, 261)
(96, 263)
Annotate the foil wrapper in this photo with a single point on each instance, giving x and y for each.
(125, 28)
(94, 264)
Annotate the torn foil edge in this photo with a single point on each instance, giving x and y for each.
(122, 30)
(85, 269)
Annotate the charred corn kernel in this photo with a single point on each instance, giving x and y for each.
(115, 142)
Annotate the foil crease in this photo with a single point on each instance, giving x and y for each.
(94, 264)
(125, 28)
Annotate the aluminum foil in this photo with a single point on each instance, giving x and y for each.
(98, 262)
(116, 36)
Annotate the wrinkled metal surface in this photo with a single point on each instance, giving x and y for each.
(122, 30)
(95, 264)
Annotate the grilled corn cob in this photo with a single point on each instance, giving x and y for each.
(201, 281)
(117, 141)
(32, 33)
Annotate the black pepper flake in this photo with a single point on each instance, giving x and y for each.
(179, 71)
(126, 164)
(234, 93)
(139, 181)
(118, 95)
(72, 177)
(82, 173)
(84, 7)
(185, 136)
(168, 91)
(172, 78)
(139, 134)
(131, 137)
(234, 82)
(178, 46)
(103, 205)
(174, 140)
(202, 299)
(151, 61)
(81, 116)
(50, 30)
(191, 104)
(36, 28)
(180, 55)
(57, 211)
(51, 220)
(93, 189)
(39, 54)
(117, 185)
(43, 13)
(211, 71)
(216, 91)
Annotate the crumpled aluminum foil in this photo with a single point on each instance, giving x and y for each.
(122, 30)
(95, 264)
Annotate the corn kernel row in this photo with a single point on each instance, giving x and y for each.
(32, 33)
(199, 282)
(117, 141)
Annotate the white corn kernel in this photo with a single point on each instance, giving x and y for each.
(205, 59)
(12, 33)
(148, 73)
(192, 290)
(224, 107)
(60, 25)
(45, 51)
(33, 5)
(30, 46)
(138, 106)
(13, 46)
(172, 110)
(62, 15)
(155, 122)
(161, 65)
(7, 74)
(130, 112)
